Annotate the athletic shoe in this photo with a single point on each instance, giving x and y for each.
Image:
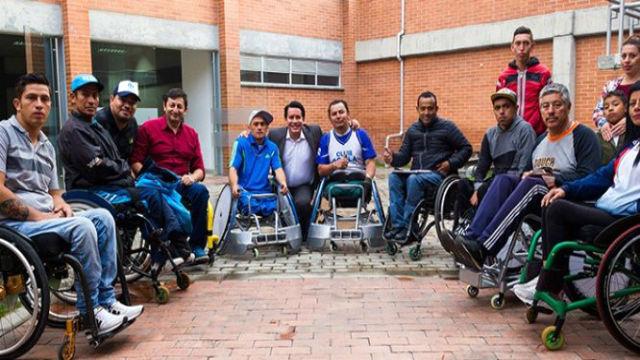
(166, 265)
(469, 252)
(130, 312)
(526, 291)
(200, 255)
(390, 234)
(107, 322)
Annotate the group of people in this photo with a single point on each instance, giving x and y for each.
(535, 153)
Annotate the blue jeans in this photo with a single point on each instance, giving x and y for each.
(198, 197)
(405, 192)
(92, 235)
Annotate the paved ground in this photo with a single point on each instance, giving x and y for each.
(335, 306)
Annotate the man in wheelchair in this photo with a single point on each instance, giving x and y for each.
(31, 203)
(616, 186)
(436, 148)
(252, 159)
(343, 148)
(92, 161)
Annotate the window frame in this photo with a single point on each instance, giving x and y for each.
(291, 73)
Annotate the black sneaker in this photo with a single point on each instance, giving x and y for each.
(390, 234)
(469, 253)
(400, 236)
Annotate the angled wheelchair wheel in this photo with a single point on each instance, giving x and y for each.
(222, 214)
(419, 225)
(580, 284)
(446, 220)
(24, 300)
(618, 289)
(287, 210)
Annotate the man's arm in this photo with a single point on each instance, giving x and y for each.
(282, 180)
(140, 149)
(233, 182)
(525, 148)
(370, 166)
(59, 205)
(12, 207)
(484, 162)
(587, 153)
(461, 146)
(403, 156)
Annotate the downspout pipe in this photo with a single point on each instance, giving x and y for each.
(401, 61)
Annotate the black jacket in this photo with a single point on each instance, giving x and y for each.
(312, 133)
(90, 157)
(428, 146)
(122, 138)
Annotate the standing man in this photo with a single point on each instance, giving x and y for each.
(298, 144)
(432, 144)
(119, 117)
(31, 201)
(525, 76)
(175, 146)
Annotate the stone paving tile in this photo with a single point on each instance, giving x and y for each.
(338, 317)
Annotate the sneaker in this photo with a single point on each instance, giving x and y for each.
(107, 322)
(200, 255)
(526, 291)
(400, 236)
(469, 252)
(130, 312)
(166, 265)
(390, 234)
(188, 258)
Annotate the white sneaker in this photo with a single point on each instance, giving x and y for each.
(526, 291)
(167, 268)
(107, 322)
(130, 312)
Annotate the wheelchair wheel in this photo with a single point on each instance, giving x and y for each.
(222, 213)
(446, 220)
(581, 281)
(288, 210)
(419, 223)
(618, 289)
(21, 274)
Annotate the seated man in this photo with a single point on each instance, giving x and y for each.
(31, 202)
(174, 145)
(344, 148)
(567, 151)
(431, 143)
(615, 110)
(252, 158)
(91, 161)
(507, 146)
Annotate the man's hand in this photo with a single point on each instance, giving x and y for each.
(387, 156)
(341, 163)
(553, 195)
(619, 128)
(187, 180)
(355, 124)
(284, 189)
(64, 210)
(444, 167)
(244, 133)
(550, 180)
(526, 174)
(474, 199)
(606, 132)
(235, 191)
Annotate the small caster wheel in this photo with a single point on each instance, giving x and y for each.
(94, 343)
(256, 252)
(553, 340)
(334, 246)
(531, 315)
(183, 281)
(285, 251)
(162, 295)
(472, 291)
(497, 301)
(391, 248)
(415, 253)
(66, 350)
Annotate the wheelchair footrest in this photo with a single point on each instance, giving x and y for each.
(338, 235)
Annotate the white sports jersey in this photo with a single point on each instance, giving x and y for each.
(351, 149)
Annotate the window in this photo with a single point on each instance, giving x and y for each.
(281, 71)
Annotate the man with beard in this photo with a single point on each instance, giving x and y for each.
(118, 118)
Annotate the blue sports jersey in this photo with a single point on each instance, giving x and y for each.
(253, 163)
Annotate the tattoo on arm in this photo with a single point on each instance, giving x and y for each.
(14, 209)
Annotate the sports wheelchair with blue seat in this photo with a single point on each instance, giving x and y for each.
(30, 271)
(137, 236)
(345, 189)
(239, 233)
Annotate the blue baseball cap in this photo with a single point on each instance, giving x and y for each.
(83, 80)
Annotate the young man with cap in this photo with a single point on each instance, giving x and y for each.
(252, 159)
(525, 76)
(91, 161)
(31, 199)
(175, 146)
(119, 117)
(507, 147)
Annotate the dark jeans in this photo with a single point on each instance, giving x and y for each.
(302, 198)
(197, 196)
(562, 221)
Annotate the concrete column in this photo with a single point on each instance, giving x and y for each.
(564, 64)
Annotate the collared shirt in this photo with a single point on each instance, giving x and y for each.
(179, 152)
(30, 169)
(253, 163)
(123, 138)
(299, 161)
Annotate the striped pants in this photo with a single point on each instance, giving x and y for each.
(506, 202)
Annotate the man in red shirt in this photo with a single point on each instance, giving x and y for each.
(174, 145)
(525, 76)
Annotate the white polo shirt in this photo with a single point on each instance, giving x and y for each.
(298, 161)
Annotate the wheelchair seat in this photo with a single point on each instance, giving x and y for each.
(50, 245)
(347, 186)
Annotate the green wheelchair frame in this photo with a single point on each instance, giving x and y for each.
(598, 263)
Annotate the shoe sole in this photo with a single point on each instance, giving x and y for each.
(468, 259)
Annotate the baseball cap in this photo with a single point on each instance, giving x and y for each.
(505, 93)
(126, 88)
(265, 115)
(83, 80)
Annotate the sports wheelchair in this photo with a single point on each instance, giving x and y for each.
(344, 189)
(606, 284)
(238, 233)
(136, 237)
(30, 298)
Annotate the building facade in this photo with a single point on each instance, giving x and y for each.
(232, 56)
